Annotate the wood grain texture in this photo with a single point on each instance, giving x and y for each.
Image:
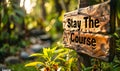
(94, 40)
(100, 50)
(100, 11)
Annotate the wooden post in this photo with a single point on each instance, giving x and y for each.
(83, 3)
(112, 14)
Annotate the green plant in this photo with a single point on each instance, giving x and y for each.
(20, 67)
(54, 59)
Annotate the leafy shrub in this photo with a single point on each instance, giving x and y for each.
(54, 59)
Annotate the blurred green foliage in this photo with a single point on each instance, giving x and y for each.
(21, 67)
(47, 15)
(17, 21)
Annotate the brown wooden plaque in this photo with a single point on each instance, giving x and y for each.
(93, 19)
(95, 45)
(86, 31)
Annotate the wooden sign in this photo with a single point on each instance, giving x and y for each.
(95, 45)
(93, 19)
(87, 31)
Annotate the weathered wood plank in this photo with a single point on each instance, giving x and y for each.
(93, 19)
(95, 45)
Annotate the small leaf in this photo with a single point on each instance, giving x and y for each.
(33, 64)
(36, 54)
(45, 50)
(71, 60)
(82, 65)
(116, 35)
(62, 59)
(59, 55)
(53, 49)
(88, 68)
(59, 50)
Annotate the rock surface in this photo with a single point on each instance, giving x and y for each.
(12, 60)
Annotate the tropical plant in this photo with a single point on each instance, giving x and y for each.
(54, 59)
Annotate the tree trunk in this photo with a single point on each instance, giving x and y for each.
(43, 9)
(58, 7)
